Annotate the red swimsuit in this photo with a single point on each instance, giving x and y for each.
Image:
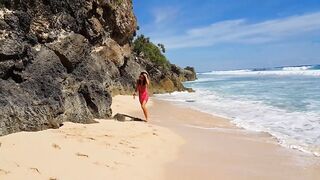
(143, 94)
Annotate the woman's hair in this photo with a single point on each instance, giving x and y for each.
(144, 81)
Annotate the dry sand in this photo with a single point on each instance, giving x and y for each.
(106, 150)
(178, 143)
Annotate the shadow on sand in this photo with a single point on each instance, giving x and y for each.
(124, 117)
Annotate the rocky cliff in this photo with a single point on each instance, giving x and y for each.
(62, 60)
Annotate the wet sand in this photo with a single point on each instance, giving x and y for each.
(217, 149)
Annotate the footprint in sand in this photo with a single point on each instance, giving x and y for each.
(97, 163)
(116, 163)
(133, 147)
(56, 146)
(0, 144)
(82, 155)
(91, 138)
(124, 142)
(36, 170)
(52, 178)
(129, 153)
(17, 164)
(4, 172)
(110, 167)
(155, 132)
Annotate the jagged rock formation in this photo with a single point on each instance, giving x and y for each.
(63, 60)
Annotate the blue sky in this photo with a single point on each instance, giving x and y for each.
(233, 34)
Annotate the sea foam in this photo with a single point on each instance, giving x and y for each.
(284, 71)
(287, 107)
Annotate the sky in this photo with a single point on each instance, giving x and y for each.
(233, 34)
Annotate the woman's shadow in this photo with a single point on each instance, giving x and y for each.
(124, 117)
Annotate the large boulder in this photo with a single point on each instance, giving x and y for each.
(49, 69)
(63, 61)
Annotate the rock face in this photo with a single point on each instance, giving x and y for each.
(63, 61)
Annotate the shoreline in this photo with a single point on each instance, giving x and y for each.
(222, 140)
(247, 154)
(282, 142)
(228, 119)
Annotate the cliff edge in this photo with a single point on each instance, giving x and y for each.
(63, 61)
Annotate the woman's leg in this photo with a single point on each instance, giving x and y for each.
(145, 110)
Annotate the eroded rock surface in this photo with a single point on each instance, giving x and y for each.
(63, 61)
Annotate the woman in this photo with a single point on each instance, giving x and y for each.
(142, 87)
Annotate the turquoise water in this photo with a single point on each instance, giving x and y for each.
(293, 93)
(283, 101)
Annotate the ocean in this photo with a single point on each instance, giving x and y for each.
(282, 101)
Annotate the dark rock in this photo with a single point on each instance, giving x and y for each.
(24, 21)
(190, 73)
(12, 20)
(3, 25)
(97, 99)
(11, 47)
(71, 50)
(62, 60)
(5, 68)
(186, 74)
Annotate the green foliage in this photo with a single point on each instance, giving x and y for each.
(1, 3)
(152, 52)
(161, 46)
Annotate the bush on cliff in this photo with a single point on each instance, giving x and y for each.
(143, 45)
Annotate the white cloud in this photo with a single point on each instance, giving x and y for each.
(164, 14)
(241, 31)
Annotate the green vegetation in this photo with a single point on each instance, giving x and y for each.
(143, 45)
(161, 46)
(1, 4)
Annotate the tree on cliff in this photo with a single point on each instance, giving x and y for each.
(161, 46)
(143, 45)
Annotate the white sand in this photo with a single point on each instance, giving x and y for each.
(106, 150)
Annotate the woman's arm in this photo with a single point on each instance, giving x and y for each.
(147, 79)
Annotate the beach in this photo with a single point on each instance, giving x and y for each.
(234, 90)
(177, 143)
(105, 150)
